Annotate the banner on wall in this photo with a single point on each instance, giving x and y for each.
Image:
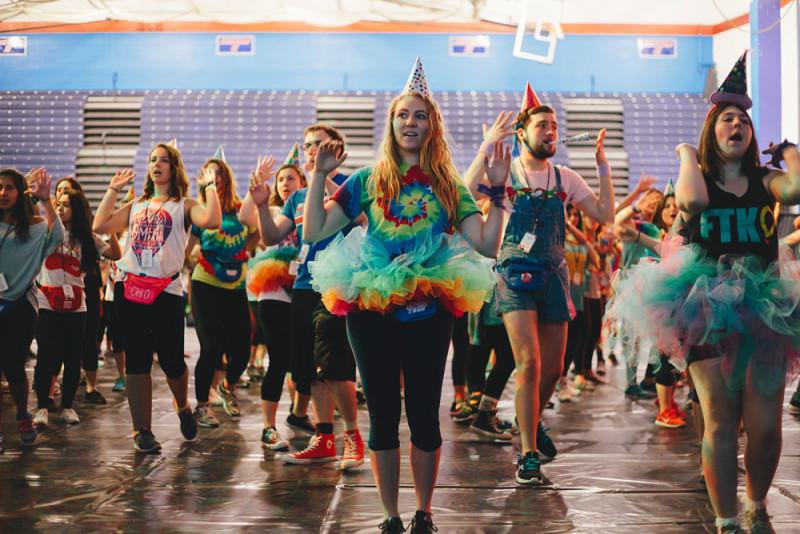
(236, 45)
(14, 45)
(470, 45)
(658, 48)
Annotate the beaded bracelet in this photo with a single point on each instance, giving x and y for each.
(496, 193)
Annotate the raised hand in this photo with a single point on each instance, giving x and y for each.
(330, 155)
(600, 153)
(502, 128)
(122, 179)
(207, 178)
(265, 168)
(39, 183)
(686, 150)
(645, 183)
(259, 189)
(497, 172)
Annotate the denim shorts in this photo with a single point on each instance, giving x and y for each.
(550, 302)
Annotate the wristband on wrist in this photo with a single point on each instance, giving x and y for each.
(496, 193)
(603, 169)
(116, 190)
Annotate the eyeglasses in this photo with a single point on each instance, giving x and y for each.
(307, 146)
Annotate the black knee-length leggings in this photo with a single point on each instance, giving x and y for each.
(458, 367)
(276, 325)
(385, 347)
(495, 338)
(59, 338)
(222, 322)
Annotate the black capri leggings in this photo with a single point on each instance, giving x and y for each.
(577, 335)
(156, 327)
(276, 325)
(594, 319)
(385, 347)
(89, 350)
(222, 321)
(59, 338)
(458, 367)
(491, 337)
(666, 373)
(16, 333)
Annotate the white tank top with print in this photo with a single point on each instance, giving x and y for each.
(156, 244)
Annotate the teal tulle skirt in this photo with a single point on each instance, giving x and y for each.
(691, 306)
(356, 272)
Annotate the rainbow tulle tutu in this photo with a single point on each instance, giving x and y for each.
(735, 307)
(269, 270)
(356, 272)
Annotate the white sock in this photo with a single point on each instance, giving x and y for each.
(723, 522)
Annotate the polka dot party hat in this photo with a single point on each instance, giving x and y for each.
(417, 82)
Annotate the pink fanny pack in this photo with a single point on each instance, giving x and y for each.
(145, 289)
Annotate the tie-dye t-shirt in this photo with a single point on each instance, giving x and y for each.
(406, 220)
(223, 254)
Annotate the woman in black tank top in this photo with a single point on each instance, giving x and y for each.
(722, 305)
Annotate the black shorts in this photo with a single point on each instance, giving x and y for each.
(320, 349)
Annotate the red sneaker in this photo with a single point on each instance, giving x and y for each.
(669, 419)
(353, 455)
(680, 413)
(321, 448)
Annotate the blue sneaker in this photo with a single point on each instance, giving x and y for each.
(635, 392)
(529, 471)
(544, 444)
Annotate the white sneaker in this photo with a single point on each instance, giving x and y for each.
(69, 417)
(41, 418)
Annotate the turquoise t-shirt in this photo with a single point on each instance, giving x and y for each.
(294, 209)
(403, 222)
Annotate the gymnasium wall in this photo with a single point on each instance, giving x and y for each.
(345, 61)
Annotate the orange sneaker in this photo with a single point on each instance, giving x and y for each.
(353, 454)
(321, 448)
(680, 413)
(670, 419)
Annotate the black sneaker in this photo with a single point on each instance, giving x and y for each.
(393, 525)
(145, 441)
(485, 425)
(422, 523)
(188, 424)
(94, 397)
(544, 444)
(529, 470)
(2, 443)
(794, 403)
(303, 425)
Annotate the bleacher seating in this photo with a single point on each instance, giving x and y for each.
(41, 128)
(46, 127)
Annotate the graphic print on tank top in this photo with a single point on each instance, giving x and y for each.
(150, 229)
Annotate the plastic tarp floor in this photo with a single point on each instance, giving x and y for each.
(616, 472)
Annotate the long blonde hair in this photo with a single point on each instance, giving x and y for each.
(434, 160)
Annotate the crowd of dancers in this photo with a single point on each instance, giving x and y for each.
(518, 264)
